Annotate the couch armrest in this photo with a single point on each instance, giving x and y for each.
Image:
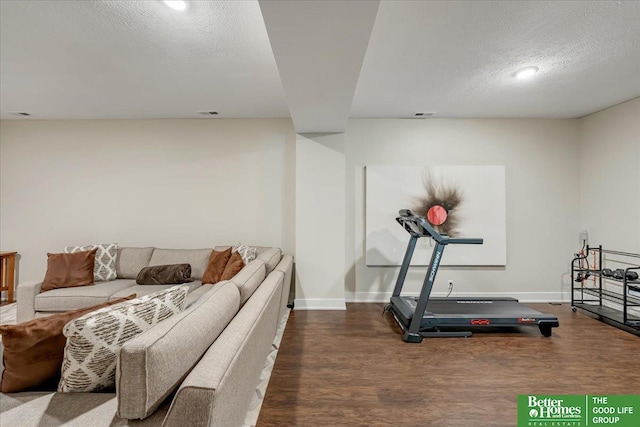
(218, 390)
(26, 300)
(285, 267)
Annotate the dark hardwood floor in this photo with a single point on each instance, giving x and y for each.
(351, 368)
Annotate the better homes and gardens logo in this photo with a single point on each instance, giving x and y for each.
(578, 411)
(554, 410)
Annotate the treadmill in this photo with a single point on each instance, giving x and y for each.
(426, 317)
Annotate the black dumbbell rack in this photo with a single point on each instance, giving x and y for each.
(614, 300)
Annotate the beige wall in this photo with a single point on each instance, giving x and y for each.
(610, 177)
(320, 222)
(197, 183)
(542, 200)
(164, 183)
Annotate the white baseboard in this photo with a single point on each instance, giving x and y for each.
(382, 297)
(320, 304)
(532, 297)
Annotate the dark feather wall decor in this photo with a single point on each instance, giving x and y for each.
(440, 205)
(457, 200)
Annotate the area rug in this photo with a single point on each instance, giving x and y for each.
(256, 402)
(8, 317)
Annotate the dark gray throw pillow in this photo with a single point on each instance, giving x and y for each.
(165, 275)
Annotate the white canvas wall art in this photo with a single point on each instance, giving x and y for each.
(467, 201)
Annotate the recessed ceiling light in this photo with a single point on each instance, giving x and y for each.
(208, 113)
(21, 114)
(176, 4)
(423, 115)
(526, 72)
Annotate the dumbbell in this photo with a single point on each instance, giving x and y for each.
(632, 275)
(607, 272)
(619, 274)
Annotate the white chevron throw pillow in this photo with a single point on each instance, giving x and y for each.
(104, 267)
(247, 253)
(94, 340)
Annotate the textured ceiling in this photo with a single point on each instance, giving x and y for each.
(136, 59)
(458, 58)
(140, 59)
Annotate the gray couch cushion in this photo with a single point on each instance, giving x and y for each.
(65, 299)
(198, 258)
(249, 278)
(131, 260)
(195, 295)
(153, 364)
(270, 256)
(142, 290)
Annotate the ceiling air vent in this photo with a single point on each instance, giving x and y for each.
(208, 113)
(20, 114)
(422, 115)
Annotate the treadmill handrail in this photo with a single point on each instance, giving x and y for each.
(418, 226)
(466, 241)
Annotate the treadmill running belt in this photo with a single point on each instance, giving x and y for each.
(497, 308)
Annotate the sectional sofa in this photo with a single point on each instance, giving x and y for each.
(198, 368)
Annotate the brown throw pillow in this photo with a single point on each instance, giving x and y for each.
(217, 262)
(69, 270)
(33, 350)
(234, 265)
(170, 274)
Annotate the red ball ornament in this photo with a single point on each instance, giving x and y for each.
(437, 215)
